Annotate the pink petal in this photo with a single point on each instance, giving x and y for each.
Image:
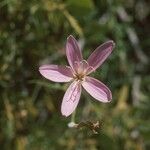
(97, 89)
(97, 58)
(72, 51)
(71, 98)
(56, 73)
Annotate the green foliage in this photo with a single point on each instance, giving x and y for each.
(34, 33)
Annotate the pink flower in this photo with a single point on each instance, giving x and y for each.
(78, 72)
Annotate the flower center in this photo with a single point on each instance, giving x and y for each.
(79, 77)
(81, 69)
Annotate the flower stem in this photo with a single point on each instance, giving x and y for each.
(73, 116)
(72, 123)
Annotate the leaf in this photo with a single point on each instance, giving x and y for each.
(123, 96)
(73, 22)
(84, 7)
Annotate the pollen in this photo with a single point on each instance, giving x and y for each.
(79, 77)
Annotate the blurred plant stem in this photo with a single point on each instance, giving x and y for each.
(73, 116)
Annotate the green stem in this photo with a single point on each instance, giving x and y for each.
(73, 117)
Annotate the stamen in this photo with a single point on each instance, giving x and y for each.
(76, 62)
(85, 66)
(85, 62)
(68, 67)
(73, 72)
(82, 68)
(90, 69)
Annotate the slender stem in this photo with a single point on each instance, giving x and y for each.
(73, 116)
(72, 123)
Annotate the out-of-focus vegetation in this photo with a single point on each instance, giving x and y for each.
(34, 33)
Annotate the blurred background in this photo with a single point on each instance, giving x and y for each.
(33, 33)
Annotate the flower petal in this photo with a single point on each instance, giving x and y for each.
(72, 51)
(97, 58)
(97, 89)
(71, 99)
(56, 73)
